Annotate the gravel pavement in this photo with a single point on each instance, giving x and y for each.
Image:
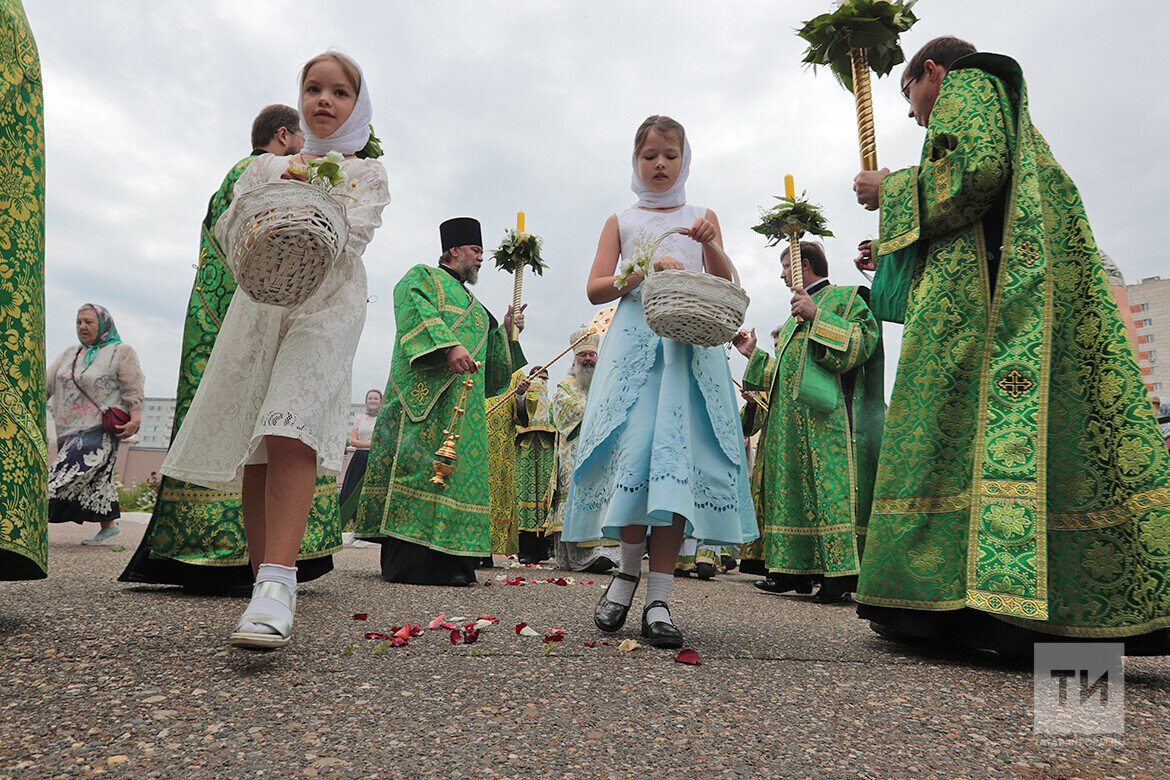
(104, 678)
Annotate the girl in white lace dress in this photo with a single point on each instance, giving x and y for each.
(272, 410)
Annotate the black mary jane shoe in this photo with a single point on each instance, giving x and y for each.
(658, 633)
(608, 615)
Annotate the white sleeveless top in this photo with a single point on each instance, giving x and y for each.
(639, 227)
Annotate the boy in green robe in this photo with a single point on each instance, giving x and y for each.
(815, 464)
(1023, 492)
(430, 534)
(536, 468)
(196, 535)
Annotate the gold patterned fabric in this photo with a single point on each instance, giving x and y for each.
(434, 312)
(23, 450)
(1021, 471)
(501, 431)
(814, 470)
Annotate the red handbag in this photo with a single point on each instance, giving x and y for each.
(112, 416)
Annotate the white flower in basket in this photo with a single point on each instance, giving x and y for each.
(693, 307)
(284, 236)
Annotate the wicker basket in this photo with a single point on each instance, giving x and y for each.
(283, 238)
(693, 307)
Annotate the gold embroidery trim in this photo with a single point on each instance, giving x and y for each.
(1136, 504)
(1007, 604)
(922, 504)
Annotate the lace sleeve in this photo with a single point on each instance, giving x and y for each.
(131, 382)
(370, 196)
(51, 374)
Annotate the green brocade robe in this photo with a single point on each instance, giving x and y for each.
(193, 524)
(536, 461)
(814, 471)
(1021, 471)
(501, 432)
(24, 455)
(434, 312)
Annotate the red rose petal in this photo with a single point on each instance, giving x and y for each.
(608, 644)
(416, 630)
(469, 637)
(361, 615)
(515, 581)
(688, 657)
(557, 631)
(398, 641)
(455, 634)
(487, 583)
(402, 633)
(554, 638)
(586, 582)
(520, 627)
(448, 625)
(591, 644)
(373, 635)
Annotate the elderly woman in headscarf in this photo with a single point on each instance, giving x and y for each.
(98, 374)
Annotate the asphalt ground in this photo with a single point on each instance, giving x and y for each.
(104, 678)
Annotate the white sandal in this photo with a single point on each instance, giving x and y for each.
(278, 592)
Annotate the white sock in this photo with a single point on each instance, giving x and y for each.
(658, 589)
(621, 591)
(272, 572)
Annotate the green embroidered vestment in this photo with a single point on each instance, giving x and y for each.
(434, 312)
(536, 460)
(193, 524)
(24, 455)
(813, 477)
(501, 432)
(1021, 471)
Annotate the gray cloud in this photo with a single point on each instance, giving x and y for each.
(487, 108)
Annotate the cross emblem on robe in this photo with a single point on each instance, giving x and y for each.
(1015, 384)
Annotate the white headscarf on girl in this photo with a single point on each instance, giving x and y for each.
(354, 133)
(675, 196)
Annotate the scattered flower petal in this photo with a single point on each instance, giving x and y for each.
(481, 624)
(361, 615)
(608, 644)
(398, 641)
(490, 618)
(520, 627)
(469, 637)
(554, 638)
(436, 622)
(586, 582)
(373, 635)
(591, 644)
(402, 633)
(688, 657)
(415, 630)
(558, 631)
(487, 583)
(528, 631)
(515, 581)
(629, 644)
(455, 635)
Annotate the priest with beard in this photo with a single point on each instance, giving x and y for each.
(434, 534)
(568, 409)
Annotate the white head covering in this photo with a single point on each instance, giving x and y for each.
(675, 196)
(354, 133)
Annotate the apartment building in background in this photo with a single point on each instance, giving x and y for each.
(1149, 304)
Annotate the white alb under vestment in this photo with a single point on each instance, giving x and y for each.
(278, 371)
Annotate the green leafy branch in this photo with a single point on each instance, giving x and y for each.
(873, 25)
(789, 215)
(519, 250)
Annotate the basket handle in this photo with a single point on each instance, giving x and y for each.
(714, 244)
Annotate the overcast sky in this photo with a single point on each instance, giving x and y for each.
(485, 108)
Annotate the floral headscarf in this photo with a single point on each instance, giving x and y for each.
(107, 333)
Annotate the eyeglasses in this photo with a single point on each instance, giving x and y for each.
(906, 87)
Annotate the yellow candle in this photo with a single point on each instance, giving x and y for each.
(789, 186)
(519, 221)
